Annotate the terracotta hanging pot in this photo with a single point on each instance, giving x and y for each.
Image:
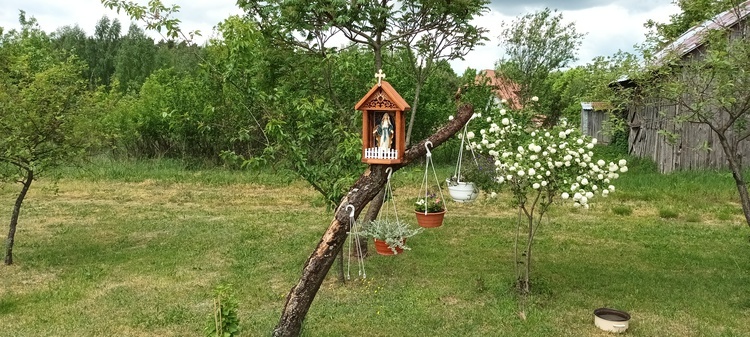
(430, 220)
(382, 248)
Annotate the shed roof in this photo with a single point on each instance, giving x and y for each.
(596, 106)
(694, 37)
(389, 91)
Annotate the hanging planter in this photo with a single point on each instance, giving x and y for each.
(390, 236)
(429, 207)
(462, 191)
(383, 249)
(459, 190)
(430, 220)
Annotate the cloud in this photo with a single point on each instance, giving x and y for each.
(52, 14)
(609, 24)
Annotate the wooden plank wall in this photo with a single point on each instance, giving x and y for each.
(687, 153)
(592, 124)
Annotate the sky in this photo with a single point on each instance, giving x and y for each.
(609, 25)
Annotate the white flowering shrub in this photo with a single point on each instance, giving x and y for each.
(541, 164)
(546, 160)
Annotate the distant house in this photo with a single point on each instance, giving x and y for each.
(502, 88)
(649, 117)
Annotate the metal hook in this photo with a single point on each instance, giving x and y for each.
(390, 172)
(429, 154)
(351, 213)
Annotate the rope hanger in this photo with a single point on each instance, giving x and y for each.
(354, 229)
(424, 187)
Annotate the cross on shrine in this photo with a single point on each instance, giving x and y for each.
(380, 76)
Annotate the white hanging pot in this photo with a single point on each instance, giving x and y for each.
(462, 191)
(611, 320)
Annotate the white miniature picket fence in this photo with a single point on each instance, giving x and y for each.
(377, 153)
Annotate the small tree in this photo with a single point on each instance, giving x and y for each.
(43, 124)
(540, 165)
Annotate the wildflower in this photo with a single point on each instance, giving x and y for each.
(535, 99)
(450, 118)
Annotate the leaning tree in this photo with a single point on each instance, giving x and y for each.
(45, 122)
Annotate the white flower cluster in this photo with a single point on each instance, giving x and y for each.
(556, 160)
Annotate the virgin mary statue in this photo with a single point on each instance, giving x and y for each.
(384, 132)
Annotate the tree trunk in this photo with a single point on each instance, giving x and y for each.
(414, 106)
(739, 178)
(369, 184)
(14, 217)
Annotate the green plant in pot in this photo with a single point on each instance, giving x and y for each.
(430, 210)
(389, 235)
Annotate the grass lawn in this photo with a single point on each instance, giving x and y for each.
(136, 249)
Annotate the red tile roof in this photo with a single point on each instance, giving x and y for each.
(502, 87)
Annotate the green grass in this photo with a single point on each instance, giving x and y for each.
(136, 249)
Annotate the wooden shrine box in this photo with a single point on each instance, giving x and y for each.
(382, 106)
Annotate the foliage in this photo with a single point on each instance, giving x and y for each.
(622, 210)
(431, 203)
(540, 164)
(224, 320)
(392, 232)
(668, 213)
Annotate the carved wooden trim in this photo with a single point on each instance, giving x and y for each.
(380, 101)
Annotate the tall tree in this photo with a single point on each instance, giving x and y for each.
(101, 52)
(536, 44)
(433, 26)
(42, 102)
(135, 59)
(452, 37)
(369, 184)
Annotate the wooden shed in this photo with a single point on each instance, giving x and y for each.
(594, 118)
(652, 120)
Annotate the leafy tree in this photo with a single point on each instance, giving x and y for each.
(42, 100)
(711, 86)
(451, 37)
(101, 52)
(71, 39)
(536, 44)
(135, 60)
